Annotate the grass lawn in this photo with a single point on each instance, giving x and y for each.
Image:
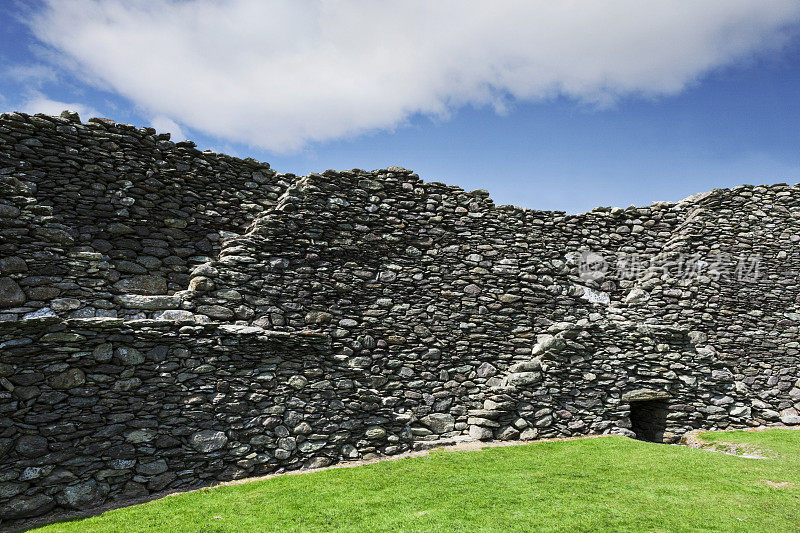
(606, 484)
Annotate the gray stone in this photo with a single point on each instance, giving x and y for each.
(44, 312)
(645, 394)
(201, 284)
(302, 428)
(12, 265)
(139, 436)
(486, 370)
(161, 481)
(137, 301)
(375, 433)
(65, 304)
(27, 506)
(790, 416)
(480, 433)
(74, 377)
(143, 284)
(62, 337)
(637, 296)
(439, 422)
(9, 490)
(215, 311)
(521, 379)
(54, 235)
(11, 294)
(32, 445)
(241, 330)
(208, 440)
(129, 356)
(152, 468)
(545, 343)
(8, 211)
(103, 352)
(35, 472)
(472, 289)
(297, 382)
(174, 314)
(318, 317)
(83, 495)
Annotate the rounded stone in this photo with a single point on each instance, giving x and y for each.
(375, 433)
(32, 446)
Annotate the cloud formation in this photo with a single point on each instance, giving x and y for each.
(283, 73)
(166, 124)
(39, 103)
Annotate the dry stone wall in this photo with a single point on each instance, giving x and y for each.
(170, 317)
(97, 210)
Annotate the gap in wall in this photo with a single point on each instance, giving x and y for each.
(649, 419)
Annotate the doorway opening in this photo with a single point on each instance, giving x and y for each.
(649, 419)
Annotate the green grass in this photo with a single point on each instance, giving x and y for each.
(606, 484)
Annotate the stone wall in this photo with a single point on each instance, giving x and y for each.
(97, 210)
(97, 408)
(170, 317)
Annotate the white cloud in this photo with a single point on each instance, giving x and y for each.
(282, 73)
(164, 124)
(34, 74)
(39, 103)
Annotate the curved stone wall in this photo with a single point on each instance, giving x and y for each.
(170, 317)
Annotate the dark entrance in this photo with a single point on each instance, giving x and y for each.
(649, 419)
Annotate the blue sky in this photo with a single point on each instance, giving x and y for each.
(641, 120)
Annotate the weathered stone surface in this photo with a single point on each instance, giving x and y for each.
(152, 468)
(480, 433)
(178, 315)
(375, 433)
(129, 356)
(636, 296)
(135, 301)
(139, 436)
(12, 265)
(201, 284)
(44, 312)
(103, 352)
(143, 284)
(161, 481)
(83, 495)
(486, 370)
(297, 382)
(32, 445)
(215, 311)
(439, 422)
(27, 506)
(65, 304)
(10, 293)
(207, 441)
(11, 489)
(68, 379)
(790, 416)
(645, 394)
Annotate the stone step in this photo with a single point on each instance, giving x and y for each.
(150, 303)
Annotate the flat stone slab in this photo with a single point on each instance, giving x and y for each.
(153, 303)
(640, 395)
